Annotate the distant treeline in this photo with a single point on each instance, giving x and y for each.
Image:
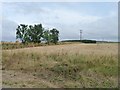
(83, 41)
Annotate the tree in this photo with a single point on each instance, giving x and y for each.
(22, 33)
(54, 35)
(35, 33)
(47, 36)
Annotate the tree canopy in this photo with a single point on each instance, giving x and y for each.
(36, 33)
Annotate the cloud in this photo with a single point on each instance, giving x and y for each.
(94, 27)
(73, 17)
(8, 30)
(105, 28)
(94, 21)
(36, 12)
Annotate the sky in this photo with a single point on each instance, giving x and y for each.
(97, 20)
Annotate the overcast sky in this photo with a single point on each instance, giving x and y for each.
(98, 20)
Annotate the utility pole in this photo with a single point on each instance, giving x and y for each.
(80, 35)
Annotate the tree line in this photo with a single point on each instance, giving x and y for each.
(36, 33)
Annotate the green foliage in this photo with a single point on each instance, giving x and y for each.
(54, 35)
(22, 33)
(83, 41)
(47, 36)
(35, 33)
(88, 41)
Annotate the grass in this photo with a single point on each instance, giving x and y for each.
(68, 66)
(18, 45)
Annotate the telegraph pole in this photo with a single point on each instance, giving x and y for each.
(80, 35)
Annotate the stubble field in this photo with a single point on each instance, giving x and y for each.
(61, 66)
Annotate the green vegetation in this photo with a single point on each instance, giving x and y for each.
(83, 41)
(36, 33)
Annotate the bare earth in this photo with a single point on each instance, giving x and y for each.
(20, 79)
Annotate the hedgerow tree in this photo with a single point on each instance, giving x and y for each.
(34, 34)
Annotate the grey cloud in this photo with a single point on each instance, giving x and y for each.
(105, 28)
(25, 8)
(8, 30)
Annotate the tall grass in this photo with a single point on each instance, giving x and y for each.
(64, 68)
(18, 45)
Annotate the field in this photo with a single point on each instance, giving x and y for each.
(61, 66)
